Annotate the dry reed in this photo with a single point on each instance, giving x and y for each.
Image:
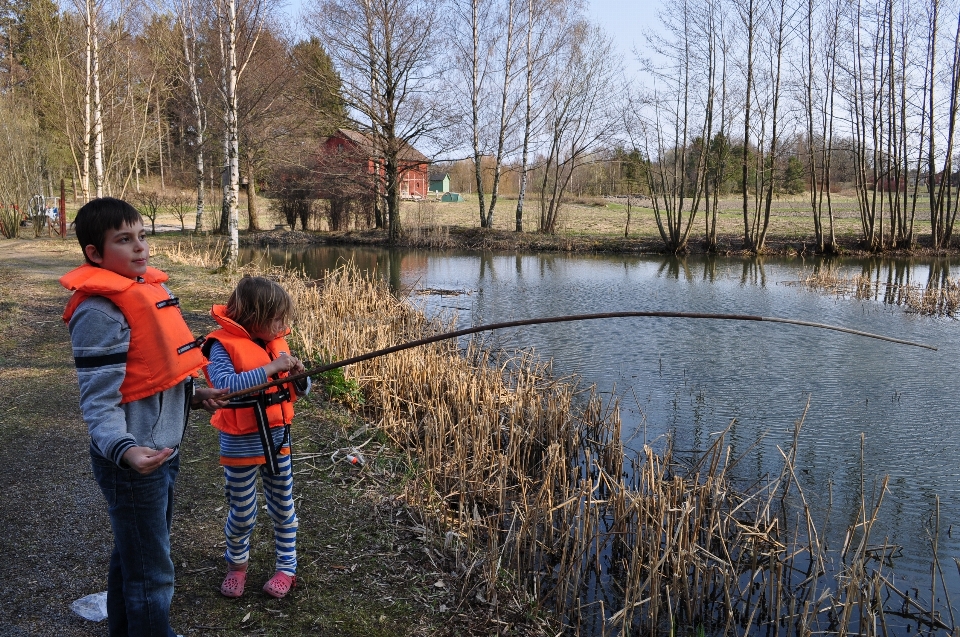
(525, 479)
(937, 298)
(199, 252)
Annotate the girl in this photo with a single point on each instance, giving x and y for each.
(248, 350)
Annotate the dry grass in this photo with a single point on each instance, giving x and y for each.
(791, 217)
(523, 477)
(364, 569)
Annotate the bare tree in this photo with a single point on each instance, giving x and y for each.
(748, 12)
(819, 91)
(187, 18)
(546, 30)
(149, 203)
(475, 62)
(239, 26)
(21, 163)
(386, 52)
(943, 206)
(270, 119)
(487, 54)
(718, 147)
(675, 125)
(181, 206)
(779, 29)
(580, 114)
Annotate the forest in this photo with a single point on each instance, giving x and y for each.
(525, 103)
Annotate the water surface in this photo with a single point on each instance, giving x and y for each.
(876, 408)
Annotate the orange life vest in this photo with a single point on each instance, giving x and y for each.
(247, 355)
(162, 350)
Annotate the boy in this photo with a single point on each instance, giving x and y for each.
(136, 360)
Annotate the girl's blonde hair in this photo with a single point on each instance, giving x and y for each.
(256, 301)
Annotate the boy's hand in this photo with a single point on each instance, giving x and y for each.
(145, 460)
(207, 398)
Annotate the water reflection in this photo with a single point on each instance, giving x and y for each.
(689, 379)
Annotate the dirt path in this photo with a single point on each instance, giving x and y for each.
(364, 570)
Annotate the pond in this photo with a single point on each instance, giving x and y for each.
(875, 408)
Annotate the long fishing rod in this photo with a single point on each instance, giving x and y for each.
(558, 319)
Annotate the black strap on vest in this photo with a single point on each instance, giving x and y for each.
(198, 342)
(171, 302)
(259, 404)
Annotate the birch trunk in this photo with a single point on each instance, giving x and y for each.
(527, 120)
(475, 108)
(189, 56)
(232, 139)
(97, 106)
(87, 102)
(502, 131)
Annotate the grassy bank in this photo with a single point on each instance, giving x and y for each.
(585, 225)
(365, 566)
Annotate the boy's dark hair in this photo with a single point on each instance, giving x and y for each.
(99, 215)
(257, 300)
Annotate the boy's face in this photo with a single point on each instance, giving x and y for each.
(125, 251)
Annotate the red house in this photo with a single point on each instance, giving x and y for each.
(356, 147)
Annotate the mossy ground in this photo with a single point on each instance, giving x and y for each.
(365, 560)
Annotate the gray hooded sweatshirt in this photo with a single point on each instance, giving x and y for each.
(101, 337)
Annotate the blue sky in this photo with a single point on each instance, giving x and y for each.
(624, 20)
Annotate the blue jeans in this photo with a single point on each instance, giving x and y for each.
(140, 580)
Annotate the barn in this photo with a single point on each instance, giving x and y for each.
(359, 147)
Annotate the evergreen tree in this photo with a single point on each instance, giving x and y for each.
(321, 85)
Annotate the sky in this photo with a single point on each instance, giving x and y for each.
(624, 20)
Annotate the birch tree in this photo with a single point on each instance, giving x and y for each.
(487, 53)
(188, 17)
(239, 26)
(545, 30)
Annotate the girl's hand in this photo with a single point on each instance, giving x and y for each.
(282, 363)
(207, 398)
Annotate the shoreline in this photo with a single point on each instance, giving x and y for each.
(480, 239)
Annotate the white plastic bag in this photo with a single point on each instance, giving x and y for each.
(92, 607)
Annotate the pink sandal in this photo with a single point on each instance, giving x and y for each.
(234, 581)
(279, 585)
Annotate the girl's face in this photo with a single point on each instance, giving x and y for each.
(270, 331)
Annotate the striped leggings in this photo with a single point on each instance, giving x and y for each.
(241, 490)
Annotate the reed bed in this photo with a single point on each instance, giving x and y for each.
(939, 298)
(207, 252)
(537, 509)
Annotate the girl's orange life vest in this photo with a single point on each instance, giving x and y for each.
(162, 350)
(246, 355)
